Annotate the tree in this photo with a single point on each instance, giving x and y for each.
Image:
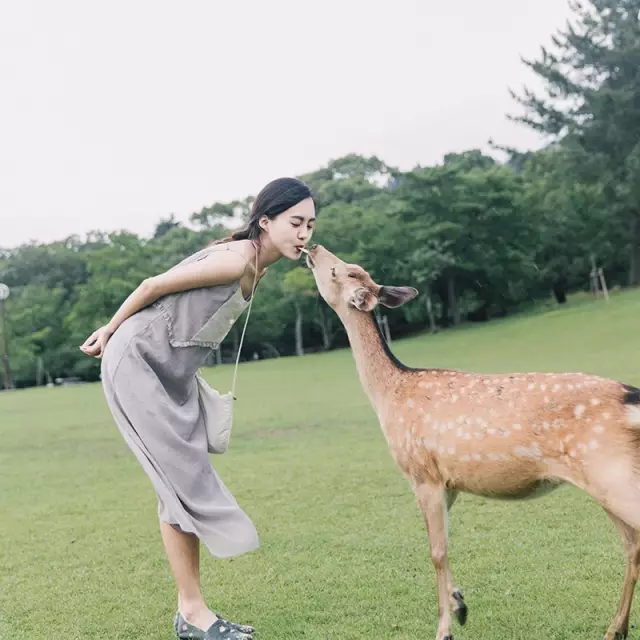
(299, 284)
(592, 104)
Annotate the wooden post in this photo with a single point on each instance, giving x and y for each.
(604, 284)
(594, 278)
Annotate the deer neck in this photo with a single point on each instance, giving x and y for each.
(376, 369)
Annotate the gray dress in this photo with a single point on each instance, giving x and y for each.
(148, 375)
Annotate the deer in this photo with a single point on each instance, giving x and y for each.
(509, 436)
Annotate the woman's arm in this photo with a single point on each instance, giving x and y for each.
(219, 267)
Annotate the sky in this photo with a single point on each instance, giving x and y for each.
(114, 115)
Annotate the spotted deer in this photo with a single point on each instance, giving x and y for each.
(514, 436)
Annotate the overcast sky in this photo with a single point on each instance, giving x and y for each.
(115, 114)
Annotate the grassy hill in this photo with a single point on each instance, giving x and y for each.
(344, 549)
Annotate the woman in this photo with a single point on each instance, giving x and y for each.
(151, 351)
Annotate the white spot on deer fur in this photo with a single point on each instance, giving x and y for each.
(606, 415)
(578, 411)
(467, 436)
(401, 420)
(465, 458)
(595, 402)
(543, 387)
(476, 456)
(410, 403)
(570, 387)
(491, 431)
(479, 435)
(593, 444)
(547, 399)
(517, 426)
(598, 428)
(633, 415)
(506, 433)
(413, 428)
(493, 456)
(556, 388)
(454, 398)
(452, 451)
(545, 425)
(531, 386)
(451, 425)
(533, 452)
(491, 389)
(459, 432)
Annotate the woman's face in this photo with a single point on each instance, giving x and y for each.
(290, 231)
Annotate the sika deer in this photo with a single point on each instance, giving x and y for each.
(508, 435)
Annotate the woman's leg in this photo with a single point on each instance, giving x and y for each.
(183, 552)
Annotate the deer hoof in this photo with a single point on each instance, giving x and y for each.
(619, 636)
(461, 609)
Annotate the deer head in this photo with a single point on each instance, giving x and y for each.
(345, 285)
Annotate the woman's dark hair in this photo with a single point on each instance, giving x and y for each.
(277, 196)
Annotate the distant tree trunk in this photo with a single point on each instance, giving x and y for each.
(634, 259)
(432, 319)
(323, 325)
(299, 345)
(559, 289)
(452, 299)
(236, 342)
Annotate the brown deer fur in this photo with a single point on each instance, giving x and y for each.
(502, 435)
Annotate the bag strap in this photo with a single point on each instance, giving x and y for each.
(253, 291)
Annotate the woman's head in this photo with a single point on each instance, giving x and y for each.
(282, 217)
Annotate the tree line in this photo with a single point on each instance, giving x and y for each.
(480, 238)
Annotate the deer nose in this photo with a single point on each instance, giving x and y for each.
(313, 247)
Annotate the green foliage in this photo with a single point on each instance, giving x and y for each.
(591, 107)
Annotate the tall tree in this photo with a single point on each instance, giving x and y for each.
(592, 103)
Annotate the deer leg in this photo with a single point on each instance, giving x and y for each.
(619, 627)
(433, 504)
(456, 599)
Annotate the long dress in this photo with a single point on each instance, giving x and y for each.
(148, 375)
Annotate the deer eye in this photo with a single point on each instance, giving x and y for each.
(333, 272)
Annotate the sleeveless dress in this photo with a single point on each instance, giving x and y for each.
(148, 374)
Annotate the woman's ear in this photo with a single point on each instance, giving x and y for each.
(263, 222)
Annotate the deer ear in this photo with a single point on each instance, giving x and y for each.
(363, 299)
(396, 296)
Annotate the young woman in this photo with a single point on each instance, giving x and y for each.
(151, 351)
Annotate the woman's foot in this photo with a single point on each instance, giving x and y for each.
(197, 614)
(219, 630)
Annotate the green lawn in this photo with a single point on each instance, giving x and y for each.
(344, 551)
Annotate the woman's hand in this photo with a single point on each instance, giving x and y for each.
(94, 345)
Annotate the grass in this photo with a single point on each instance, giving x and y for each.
(344, 551)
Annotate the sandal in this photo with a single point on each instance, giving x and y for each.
(243, 628)
(221, 629)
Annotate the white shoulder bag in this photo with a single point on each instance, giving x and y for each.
(218, 408)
